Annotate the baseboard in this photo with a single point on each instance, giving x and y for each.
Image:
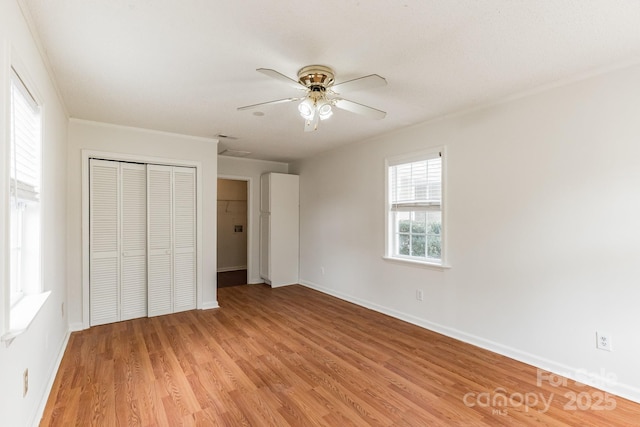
(208, 305)
(52, 377)
(235, 268)
(281, 285)
(74, 327)
(598, 380)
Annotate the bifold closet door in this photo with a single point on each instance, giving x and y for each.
(184, 190)
(159, 239)
(117, 215)
(104, 244)
(171, 239)
(133, 261)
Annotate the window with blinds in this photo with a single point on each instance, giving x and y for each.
(415, 208)
(25, 167)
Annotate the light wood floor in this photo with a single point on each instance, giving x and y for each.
(295, 357)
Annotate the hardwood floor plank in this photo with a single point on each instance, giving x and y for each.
(176, 386)
(295, 357)
(298, 410)
(258, 408)
(65, 414)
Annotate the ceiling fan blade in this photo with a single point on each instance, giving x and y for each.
(354, 107)
(279, 101)
(366, 82)
(279, 76)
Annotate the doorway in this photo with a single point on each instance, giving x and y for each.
(232, 232)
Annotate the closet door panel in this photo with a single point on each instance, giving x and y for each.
(159, 240)
(185, 290)
(133, 241)
(159, 286)
(134, 287)
(184, 184)
(104, 290)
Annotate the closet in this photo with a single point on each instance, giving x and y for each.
(142, 240)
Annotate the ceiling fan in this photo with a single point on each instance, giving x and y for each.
(322, 94)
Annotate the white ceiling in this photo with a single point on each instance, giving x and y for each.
(184, 66)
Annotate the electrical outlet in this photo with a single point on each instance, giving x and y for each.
(25, 382)
(419, 295)
(603, 341)
(322, 270)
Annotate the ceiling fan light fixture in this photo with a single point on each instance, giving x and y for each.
(325, 111)
(316, 75)
(307, 109)
(320, 98)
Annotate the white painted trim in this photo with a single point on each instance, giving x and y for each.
(234, 268)
(414, 156)
(5, 154)
(208, 305)
(75, 327)
(244, 159)
(86, 155)
(85, 240)
(250, 262)
(144, 130)
(28, 82)
(23, 314)
(199, 236)
(124, 157)
(598, 381)
(416, 263)
(44, 397)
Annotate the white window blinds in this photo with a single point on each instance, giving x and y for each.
(25, 144)
(417, 185)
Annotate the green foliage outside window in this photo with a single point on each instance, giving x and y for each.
(416, 238)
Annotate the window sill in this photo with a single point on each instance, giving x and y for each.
(22, 315)
(415, 263)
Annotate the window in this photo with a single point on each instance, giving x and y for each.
(24, 222)
(414, 214)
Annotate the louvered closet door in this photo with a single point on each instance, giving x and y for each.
(184, 190)
(159, 239)
(133, 297)
(104, 288)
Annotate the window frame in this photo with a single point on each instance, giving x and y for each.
(21, 85)
(18, 315)
(390, 233)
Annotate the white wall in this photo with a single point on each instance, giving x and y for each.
(232, 211)
(543, 204)
(39, 349)
(238, 168)
(140, 142)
